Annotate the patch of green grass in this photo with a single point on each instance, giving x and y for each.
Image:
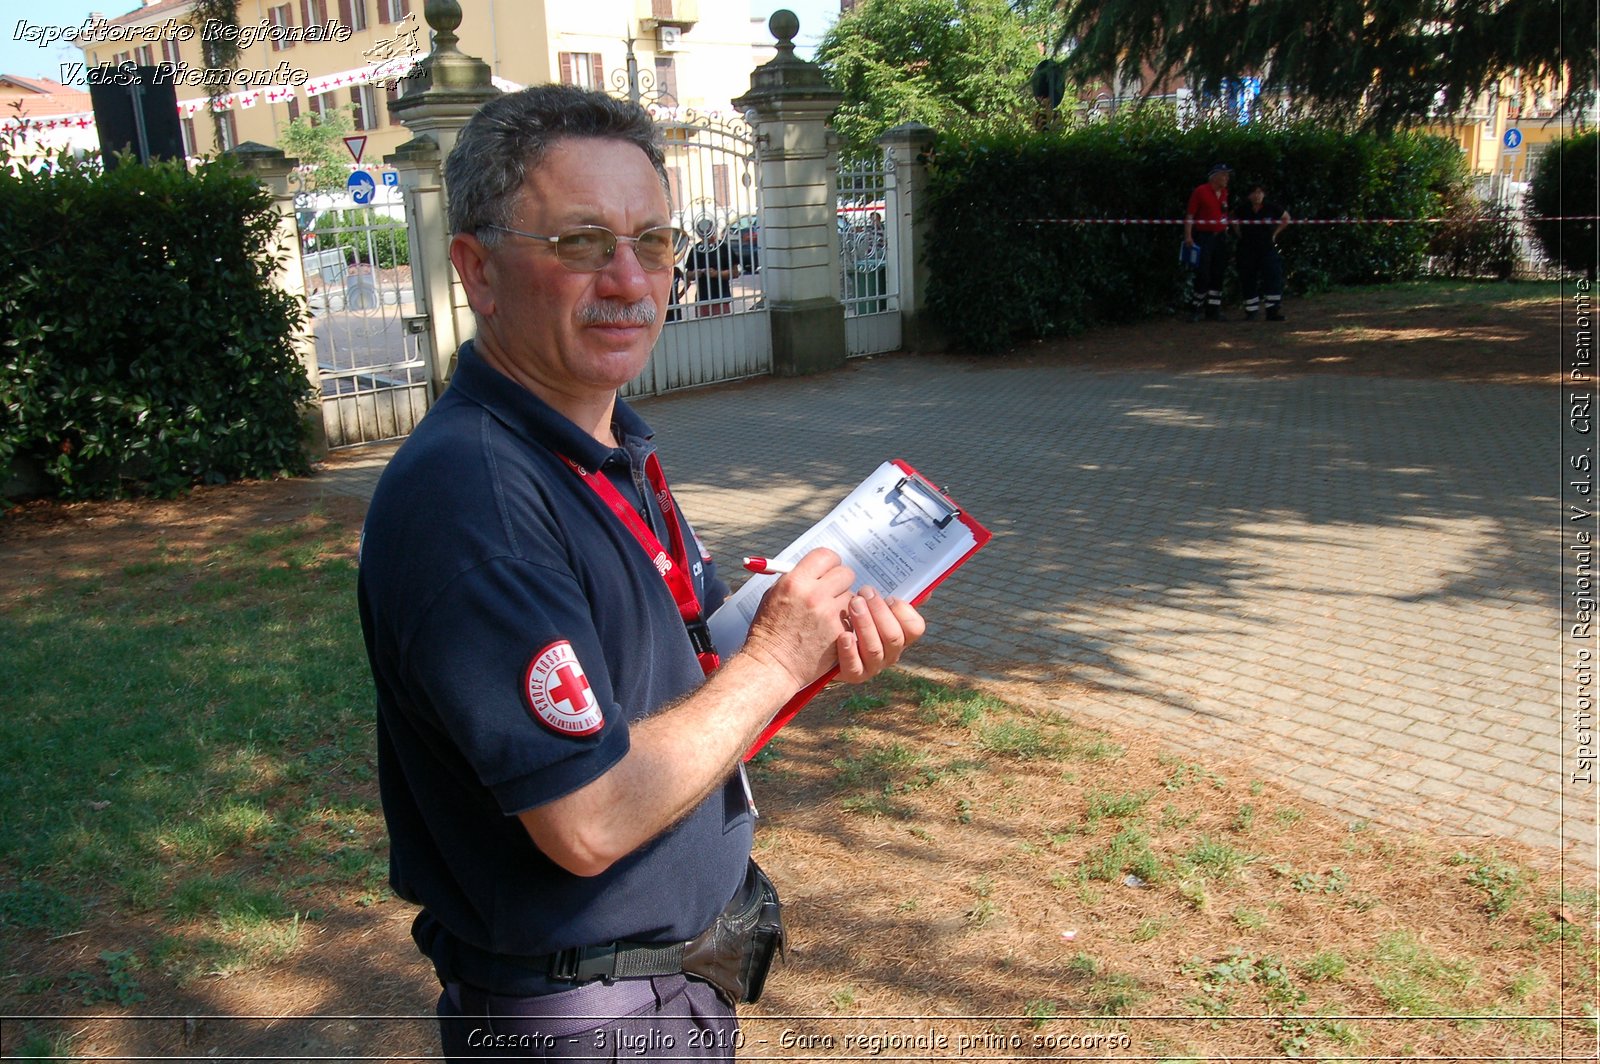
(1018, 739)
(1267, 975)
(863, 703)
(38, 906)
(1173, 818)
(1323, 966)
(1413, 980)
(1216, 860)
(53, 1047)
(116, 984)
(1127, 852)
(1334, 881)
(1150, 928)
(947, 706)
(1103, 804)
(1501, 882)
(1039, 1011)
(1248, 919)
(162, 710)
(879, 774)
(1185, 774)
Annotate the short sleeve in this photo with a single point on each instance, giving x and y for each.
(508, 657)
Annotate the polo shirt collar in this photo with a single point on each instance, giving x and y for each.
(532, 418)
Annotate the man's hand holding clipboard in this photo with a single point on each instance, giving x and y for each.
(899, 534)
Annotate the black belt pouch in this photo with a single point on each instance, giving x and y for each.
(735, 952)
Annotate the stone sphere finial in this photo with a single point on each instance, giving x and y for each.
(444, 16)
(784, 25)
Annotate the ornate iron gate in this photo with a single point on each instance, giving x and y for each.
(713, 194)
(367, 317)
(869, 286)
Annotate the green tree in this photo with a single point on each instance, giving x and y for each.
(1567, 185)
(1381, 63)
(318, 142)
(219, 48)
(941, 62)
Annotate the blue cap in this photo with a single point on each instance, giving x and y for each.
(1219, 168)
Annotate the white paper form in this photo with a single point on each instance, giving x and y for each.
(896, 531)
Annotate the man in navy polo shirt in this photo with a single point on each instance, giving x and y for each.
(559, 763)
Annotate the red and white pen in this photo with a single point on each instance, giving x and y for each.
(765, 567)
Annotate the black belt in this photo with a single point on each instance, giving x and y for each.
(619, 960)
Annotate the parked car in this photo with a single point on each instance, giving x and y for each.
(745, 232)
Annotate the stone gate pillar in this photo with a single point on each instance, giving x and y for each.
(437, 98)
(271, 169)
(908, 146)
(788, 107)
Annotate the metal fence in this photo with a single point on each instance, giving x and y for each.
(868, 281)
(365, 321)
(716, 328)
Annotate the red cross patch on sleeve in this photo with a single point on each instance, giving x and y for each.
(558, 692)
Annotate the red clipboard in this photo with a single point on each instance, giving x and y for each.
(945, 513)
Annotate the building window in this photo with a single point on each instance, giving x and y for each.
(230, 132)
(393, 10)
(582, 69)
(667, 79)
(364, 107)
(314, 12)
(721, 191)
(281, 19)
(121, 58)
(189, 148)
(294, 108)
(353, 13)
(146, 55)
(322, 103)
(169, 51)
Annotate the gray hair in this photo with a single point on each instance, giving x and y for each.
(508, 138)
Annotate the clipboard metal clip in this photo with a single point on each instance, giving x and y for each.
(929, 499)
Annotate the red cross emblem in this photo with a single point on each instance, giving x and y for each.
(558, 693)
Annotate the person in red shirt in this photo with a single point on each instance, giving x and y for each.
(1205, 225)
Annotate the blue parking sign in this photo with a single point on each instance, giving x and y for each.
(361, 186)
(391, 178)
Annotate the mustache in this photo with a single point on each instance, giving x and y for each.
(608, 313)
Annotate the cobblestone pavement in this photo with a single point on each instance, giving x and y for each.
(1352, 581)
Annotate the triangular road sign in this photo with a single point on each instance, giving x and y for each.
(356, 146)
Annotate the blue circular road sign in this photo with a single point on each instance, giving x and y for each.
(361, 186)
(1513, 138)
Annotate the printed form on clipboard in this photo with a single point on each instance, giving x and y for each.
(896, 530)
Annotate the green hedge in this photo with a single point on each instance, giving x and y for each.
(999, 276)
(146, 348)
(385, 249)
(1565, 186)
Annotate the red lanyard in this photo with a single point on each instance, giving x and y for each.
(673, 566)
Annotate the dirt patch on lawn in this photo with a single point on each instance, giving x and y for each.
(966, 877)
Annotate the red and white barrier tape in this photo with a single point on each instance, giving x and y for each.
(1299, 221)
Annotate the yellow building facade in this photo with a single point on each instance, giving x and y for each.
(1507, 129)
(310, 56)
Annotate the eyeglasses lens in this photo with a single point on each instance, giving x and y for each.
(589, 248)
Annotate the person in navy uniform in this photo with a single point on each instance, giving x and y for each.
(1205, 225)
(713, 265)
(558, 745)
(1257, 224)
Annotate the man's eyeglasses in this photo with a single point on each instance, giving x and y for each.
(587, 248)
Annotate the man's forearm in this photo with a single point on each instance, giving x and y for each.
(676, 758)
